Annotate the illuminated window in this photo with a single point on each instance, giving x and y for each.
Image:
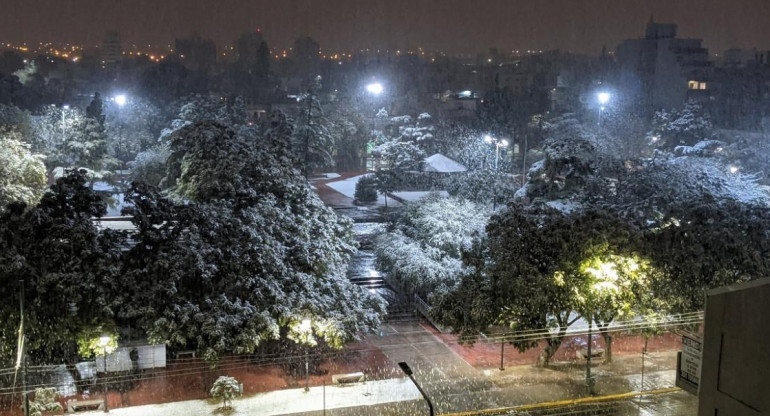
(693, 85)
(702, 86)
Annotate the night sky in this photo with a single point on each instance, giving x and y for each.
(450, 25)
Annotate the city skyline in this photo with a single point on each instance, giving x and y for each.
(450, 26)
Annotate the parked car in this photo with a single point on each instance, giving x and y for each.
(579, 344)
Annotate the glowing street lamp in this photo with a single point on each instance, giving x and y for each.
(375, 88)
(120, 100)
(498, 144)
(104, 340)
(734, 169)
(603, 97)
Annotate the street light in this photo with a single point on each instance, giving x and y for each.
(408, 371)
(120, 100)
(104, 340)
(375, 88)
(306, 327)
(603, 98)
(498, 144)
(734, 169)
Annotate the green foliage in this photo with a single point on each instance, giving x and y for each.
(366, 190)
(67, 265)
(90, 342)
(533, 273)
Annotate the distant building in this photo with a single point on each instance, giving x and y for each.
(112, 50)
(661, 70)
(196, 53)
(247, 49)
(451, 105)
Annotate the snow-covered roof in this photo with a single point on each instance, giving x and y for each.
(442, 164)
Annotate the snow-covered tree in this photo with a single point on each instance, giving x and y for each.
(313, 142)
(251, 251)
(67, 266)
(681, 127)
(150, 165)
(225, 388)
(22, 173)
(423, 249)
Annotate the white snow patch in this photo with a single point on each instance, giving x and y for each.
(347, 187)
(331, 175)
(442, 164)
(283, 402)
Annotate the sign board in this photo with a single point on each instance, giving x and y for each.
(689, 364)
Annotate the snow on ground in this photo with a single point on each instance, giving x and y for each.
(347, 187)
(413, 196)
(331, 175)
(283, 402)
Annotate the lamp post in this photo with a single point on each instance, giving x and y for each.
(104, 340)
(120, 99)
(603, 98)
(306, 328)
(408, 371)
(589, 378)
(498, 144)
(374, 90)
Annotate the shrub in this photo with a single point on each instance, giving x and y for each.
(366, 190)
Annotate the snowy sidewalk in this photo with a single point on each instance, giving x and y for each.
(283, 402)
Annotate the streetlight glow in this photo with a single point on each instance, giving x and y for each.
(504, 143)
(603, 97)
(104, 340)
(733, 169)
(120, 99)
(375, 88)
(488, 139)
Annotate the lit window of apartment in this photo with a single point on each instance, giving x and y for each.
(696, 85)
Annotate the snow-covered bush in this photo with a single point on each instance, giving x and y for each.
(366, 190)
(226, 388)
(45, 401)
(483, 186)
(150, 165)
(424, 248)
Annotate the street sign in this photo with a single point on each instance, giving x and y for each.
(689, 364)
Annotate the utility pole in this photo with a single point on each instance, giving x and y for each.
(22, 353)
(502, 356)
(589, 378)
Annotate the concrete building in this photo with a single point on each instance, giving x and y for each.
(196, 53)
(661, 70)
(111, 50)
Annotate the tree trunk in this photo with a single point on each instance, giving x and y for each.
(553, 343)
(607, 344)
